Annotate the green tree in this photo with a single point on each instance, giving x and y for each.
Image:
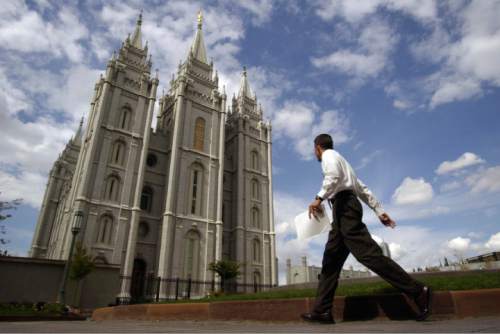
(6, 206)
(226, 270)
(82, 264)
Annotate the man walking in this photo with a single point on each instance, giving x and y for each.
(350, 235)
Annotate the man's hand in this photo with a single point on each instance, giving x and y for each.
(386, 220)
(315, 208)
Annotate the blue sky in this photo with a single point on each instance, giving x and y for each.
(408, 89)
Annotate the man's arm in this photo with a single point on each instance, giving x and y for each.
(367, 196)
(331, 172)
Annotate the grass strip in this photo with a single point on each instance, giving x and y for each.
(487, 280)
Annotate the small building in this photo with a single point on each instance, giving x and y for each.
(487, 257)
(310, 274)
(302, 273)
(485, 261)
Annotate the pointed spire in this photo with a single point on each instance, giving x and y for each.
(137, 36)
(245, 86)
(77, 139)
(200, 19)
(198, 48)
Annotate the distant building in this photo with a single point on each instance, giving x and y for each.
(478, 262)
(309, 274)
(352, 273)
(488, 257)
(302, 273)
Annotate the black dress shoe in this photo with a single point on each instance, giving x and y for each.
(321, 318)
(424, 303)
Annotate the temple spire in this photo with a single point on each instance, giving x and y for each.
(245, 89)
(77, 139)
(137, 36)
(198, 47)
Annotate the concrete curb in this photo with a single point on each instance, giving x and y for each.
(446, 304)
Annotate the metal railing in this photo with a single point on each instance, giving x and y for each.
(178, 288)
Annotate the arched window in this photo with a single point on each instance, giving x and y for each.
(125, 117)
(191, 254)
(112, 188)
(147, 198)
(199, 134)
(255, 189)
(256, 250)
(255, 218)
(255, 160)
(117, 156)
(143, 229)
(105, 230)
(196, 186)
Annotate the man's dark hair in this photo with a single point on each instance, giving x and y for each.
(324, 141)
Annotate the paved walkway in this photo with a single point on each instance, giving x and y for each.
(490, 324)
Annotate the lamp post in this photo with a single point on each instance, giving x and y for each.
(75, 229)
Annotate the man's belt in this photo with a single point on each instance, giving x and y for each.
(343, 194)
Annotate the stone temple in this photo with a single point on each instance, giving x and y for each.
(169, 200)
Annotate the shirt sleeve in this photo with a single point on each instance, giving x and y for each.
(331, 172)
(367, 196)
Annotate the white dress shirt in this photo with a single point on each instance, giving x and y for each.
(339, 175)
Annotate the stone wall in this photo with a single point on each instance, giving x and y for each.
(32, 280)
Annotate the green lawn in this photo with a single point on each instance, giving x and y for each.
(485, 280)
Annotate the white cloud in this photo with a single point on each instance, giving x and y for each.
(405, 243)
(367, 159)
(76, 89)
(467, 57)
(12, 99)
(461, 41)
(375, 44)
(28, 148)
(355, 11)
(494, 242)
(302, 122)
(450, 186)
(261, 9)
(27, 186)
(486, 180)
(26, 31)
(459, 244)
(401, 105)
(465, 160)
(455, 89)
(413, 191)
(295, 119)
(27, 151)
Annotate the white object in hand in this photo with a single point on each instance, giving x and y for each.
(307, 228)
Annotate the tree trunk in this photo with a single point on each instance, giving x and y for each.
(78, 292)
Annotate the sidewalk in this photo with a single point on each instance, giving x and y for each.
(485, 324)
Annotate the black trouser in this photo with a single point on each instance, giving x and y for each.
(349, 234)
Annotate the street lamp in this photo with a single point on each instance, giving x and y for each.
(75, 229)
